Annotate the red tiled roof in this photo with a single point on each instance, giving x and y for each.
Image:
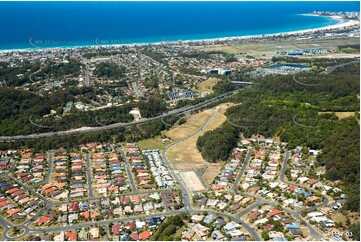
(273, 212)
(135, 236)
(131, 225)
(13, 211)
(44, 220)
(12, 190)
(116, 228)
(291, 188)
(144, 235)
(218, 187)
(2, 204)
(267, 227)
(312, 181)
(71, 235)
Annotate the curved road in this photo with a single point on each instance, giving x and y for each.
(331, 69)
(187, 208)
(186, 197)
(282, 179)
(183, 189)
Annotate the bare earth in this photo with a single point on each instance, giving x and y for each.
(341, 115)
(185, 155)
(195, 185)
(212, 172)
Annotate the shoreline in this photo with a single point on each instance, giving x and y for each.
(341, 24)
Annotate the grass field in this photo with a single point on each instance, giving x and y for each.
(185, 155)
(212, 172)
(177, 132)
(206, 86)
(268, 48)
(340, 218)
(194, 122)
(153, 143)
(341, 115)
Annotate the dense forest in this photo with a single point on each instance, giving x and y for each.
(279, 106)
(152, 107)
(168, 228)
(341, 156)
(18, 74)
(212, 144)
(22, 112)
(58, 70)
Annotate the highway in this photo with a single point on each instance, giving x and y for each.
(118, 125)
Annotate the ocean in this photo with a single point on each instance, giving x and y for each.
(26, 25)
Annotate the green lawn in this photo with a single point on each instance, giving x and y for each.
(153, 143)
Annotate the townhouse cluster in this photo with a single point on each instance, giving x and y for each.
(264, 165)
(77, 182)
(16, 203)
(142, 173)
(222, 201)
(56, 188)
(5, 162)
(134, 230)
(216, 228)
(160, 172)
(274, 224)
(30, 169)
(228, 173)
(108, 173)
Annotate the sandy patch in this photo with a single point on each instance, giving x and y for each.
(192, 181)
(341, 115)
(212, 172)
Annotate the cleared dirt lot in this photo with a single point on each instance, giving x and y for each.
(212, 172)
(192, 181)
(185, 155)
